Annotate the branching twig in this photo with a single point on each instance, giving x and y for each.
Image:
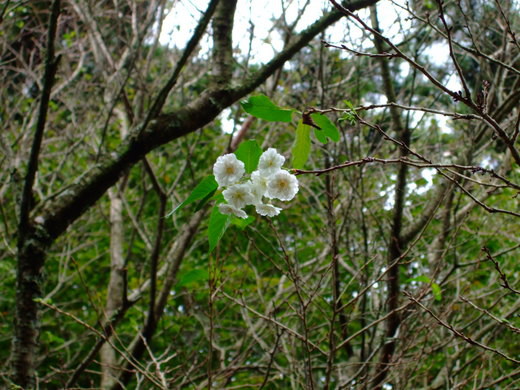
(503, 277)
(452, 53)
(508, 24)
(458, 333)
(454, 115)
(358, 53)
(456, 96)
(106, 338)
(190, 47)
(278, 324)
(499, 320)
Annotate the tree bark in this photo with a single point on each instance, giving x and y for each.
(116, 285)
(31, 255)
(32, 237)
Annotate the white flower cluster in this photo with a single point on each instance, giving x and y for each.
(269, 181)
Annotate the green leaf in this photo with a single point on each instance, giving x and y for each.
(205, 200)
(204, 190)
(262, 107)
(192, 277)
(249, 153)
(350, 117)
(52, 338)
(320, 136)
(421, 182)
(348, 103)
(436, 291)
(421, 278)
(218, 224)
(302, 146)
(328, 129)
(242, 223)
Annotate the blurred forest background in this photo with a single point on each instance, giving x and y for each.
(396, 265)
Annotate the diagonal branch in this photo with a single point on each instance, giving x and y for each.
(51, 65)
(458, 333)
(188, 50)
(67, 207)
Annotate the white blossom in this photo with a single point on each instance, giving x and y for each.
(267, 210)
(269, 181)
(282, 185)
(258, 186)
(228, 170)
(227, 209)
(238, 195)
(257, 192)
(270, 162)
(260, 180)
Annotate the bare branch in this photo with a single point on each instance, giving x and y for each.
(459, 333)
(503, 276)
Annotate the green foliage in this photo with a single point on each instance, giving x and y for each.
(302, 145)
(249, 153)
(436, 289)
(192, 277)
(242, 223)
(260, 106)
(218, 224)
(328, 129)
(202, 192)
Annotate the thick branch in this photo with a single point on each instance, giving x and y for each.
(223, 44)
(81, 195)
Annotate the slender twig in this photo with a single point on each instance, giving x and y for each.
(503, 276)
(372, 324)
(508, 24)
(499, 320)
(4, 9)
(272, 354)
(495, 382)
(476, 52)
(105, 337)
(454, 115)
(452, 53)
(458, 333)
(154, 257)
(517, 128)
(359, 53)
(159, 372)
(456, 96)
(416, 164)
(188, 50)
(107, 331)
(277, 323)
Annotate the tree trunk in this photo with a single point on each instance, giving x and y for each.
(31, 257)
(116, 285)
